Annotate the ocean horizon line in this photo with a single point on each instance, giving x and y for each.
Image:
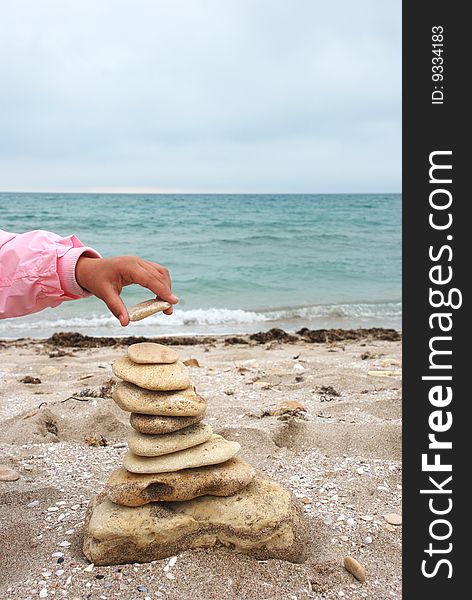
(199, 193)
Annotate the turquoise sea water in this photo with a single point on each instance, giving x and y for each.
(238, 262)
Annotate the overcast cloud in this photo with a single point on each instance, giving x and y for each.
(200, 95)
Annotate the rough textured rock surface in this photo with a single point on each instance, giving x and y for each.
(216, 450)
(153, 377)
(262, 520)
(150, 353)
(225, 479)
(147, 308)
(157, 445)
(180, 403)
(154, 424)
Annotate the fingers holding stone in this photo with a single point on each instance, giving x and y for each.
(155, 282)
(113, 300)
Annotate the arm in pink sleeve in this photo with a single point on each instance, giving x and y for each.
(37, 270)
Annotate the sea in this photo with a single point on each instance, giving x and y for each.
(239, 263)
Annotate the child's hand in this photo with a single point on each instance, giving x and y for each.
(106, 277)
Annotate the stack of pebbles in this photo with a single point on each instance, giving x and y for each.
(182, 486)
(172, 454)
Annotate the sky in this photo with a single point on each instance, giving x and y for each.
(209, 96)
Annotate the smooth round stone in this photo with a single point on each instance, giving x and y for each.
(153, 377)
(157, 445)
(393, 518)
(224, 479)
(215, 450)
(179, 403)
(155, 424)
(150, 353)
(355, 568)
(7, 474)
(147, 308)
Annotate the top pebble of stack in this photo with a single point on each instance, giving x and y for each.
(148, 353)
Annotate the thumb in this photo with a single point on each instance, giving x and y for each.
(116, 306)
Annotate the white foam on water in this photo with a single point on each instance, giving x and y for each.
(215, 320)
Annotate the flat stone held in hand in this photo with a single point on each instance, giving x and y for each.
(155, 424)
(179, 403)
(157, 445)
(262, 520)
(153, 377)
(147, 308)
(150, 353)
(224, 479)
(215, 450)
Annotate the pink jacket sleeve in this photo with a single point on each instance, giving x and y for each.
(37, 270)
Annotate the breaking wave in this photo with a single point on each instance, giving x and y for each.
(212, 319)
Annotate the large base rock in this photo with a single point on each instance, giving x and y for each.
(262, 520)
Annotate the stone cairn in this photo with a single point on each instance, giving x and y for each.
(182, 486)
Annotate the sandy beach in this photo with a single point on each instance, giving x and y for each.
(338, 451)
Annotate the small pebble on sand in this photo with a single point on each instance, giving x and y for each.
(8, 474)
(191, 362)
(355, 568)
(393, 518)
